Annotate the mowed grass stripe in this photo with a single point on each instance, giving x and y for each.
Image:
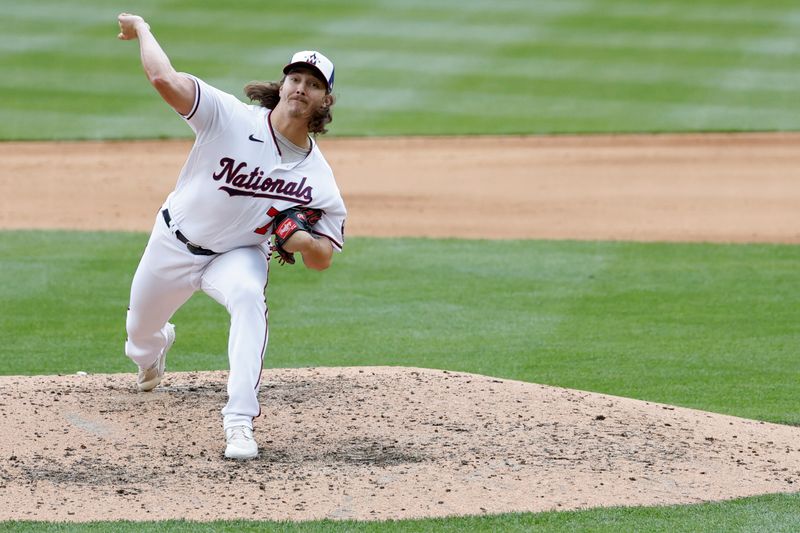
(594, 114)
(390, 114)
(690, 10)
(541, 60)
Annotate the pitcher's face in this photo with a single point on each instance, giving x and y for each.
(303, 93)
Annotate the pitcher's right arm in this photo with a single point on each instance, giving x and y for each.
(177, 89)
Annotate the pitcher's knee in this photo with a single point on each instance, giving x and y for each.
(248, 295)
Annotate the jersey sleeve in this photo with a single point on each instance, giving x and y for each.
(212, 110)
(331, 226)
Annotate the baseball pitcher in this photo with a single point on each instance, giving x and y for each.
(254, 172)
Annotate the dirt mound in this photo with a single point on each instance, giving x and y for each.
(366, 443)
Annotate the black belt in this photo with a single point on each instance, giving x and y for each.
(196, 250)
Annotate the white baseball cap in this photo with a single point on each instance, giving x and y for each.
(315, 61)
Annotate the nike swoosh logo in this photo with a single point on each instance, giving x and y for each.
(254, 139)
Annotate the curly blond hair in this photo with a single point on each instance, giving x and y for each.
(267, 93)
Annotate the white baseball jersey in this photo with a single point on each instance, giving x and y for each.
(233, 182)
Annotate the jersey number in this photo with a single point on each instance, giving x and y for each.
(272, 213)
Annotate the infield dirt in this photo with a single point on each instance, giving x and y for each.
(377, 443)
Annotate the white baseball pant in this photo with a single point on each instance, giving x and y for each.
(168, 274)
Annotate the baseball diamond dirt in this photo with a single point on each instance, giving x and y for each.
(378, 443)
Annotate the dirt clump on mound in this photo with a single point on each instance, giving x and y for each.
(366, 443)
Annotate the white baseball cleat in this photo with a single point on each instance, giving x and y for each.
(149, 378)
(241, 444)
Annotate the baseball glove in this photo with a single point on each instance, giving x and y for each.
(287, 223)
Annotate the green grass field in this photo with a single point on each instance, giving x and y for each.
(706, 326)
(417, 67)
(712, 327)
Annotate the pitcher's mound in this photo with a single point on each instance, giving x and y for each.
(366, 443)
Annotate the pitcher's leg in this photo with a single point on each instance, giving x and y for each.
(238, 279)
(162, 284)
(152, 305)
